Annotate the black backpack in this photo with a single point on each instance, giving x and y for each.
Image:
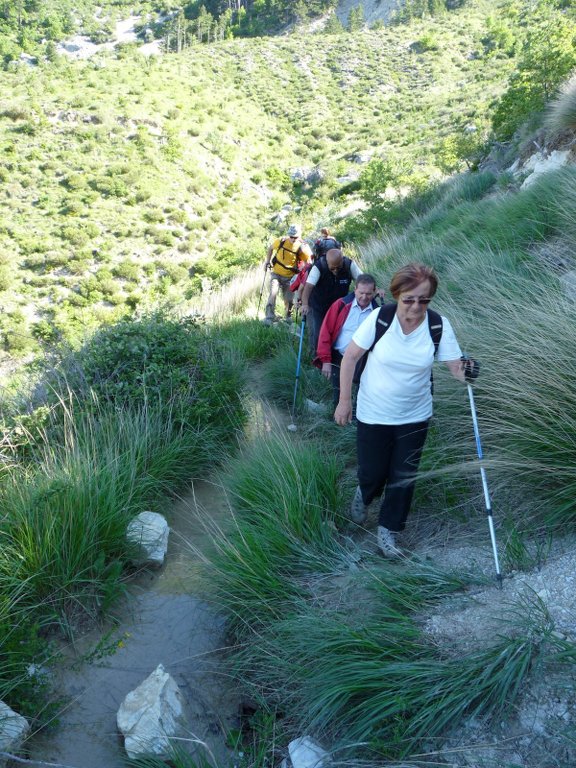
(325, 244)
(330, 287)
(385, 318)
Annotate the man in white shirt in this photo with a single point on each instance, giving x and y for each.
(328, 280)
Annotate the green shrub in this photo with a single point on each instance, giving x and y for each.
(110, 187)
(127, 270)
(547, 58)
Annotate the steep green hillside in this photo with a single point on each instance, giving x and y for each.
(124, 178)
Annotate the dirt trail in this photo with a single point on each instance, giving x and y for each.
(163, 620)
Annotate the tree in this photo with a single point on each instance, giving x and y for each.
(356, 19)
(548, 55)
(333, 26)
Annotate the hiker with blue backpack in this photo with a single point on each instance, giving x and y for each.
(398, 343)
(324, 243)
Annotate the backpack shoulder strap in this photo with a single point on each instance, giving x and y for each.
(343, 303)
(435, 328)
(294, 253)
(385, 317)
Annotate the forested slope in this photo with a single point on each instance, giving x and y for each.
(125, 178)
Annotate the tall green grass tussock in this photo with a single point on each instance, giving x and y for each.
(285, 501)
(561, 112)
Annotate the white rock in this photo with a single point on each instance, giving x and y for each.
(13, 730)
(312, 407)
(151, 715)
(539, 164)
(149, 532)
(306, 753)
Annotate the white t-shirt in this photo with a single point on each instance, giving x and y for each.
(314, 274)
(395, 384)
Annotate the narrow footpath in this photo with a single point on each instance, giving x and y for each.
(163, 620)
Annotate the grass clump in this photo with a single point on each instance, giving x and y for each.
(284, 495)
(561, 114)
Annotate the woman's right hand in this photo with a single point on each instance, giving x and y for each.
(343, 414)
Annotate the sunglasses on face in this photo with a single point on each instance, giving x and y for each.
(414, 299)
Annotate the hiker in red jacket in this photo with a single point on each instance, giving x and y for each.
(338, 326)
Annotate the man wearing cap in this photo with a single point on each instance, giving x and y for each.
(283, 257)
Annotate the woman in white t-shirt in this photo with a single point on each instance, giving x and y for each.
(394, 402)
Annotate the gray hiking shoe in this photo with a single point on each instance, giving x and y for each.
(358, 510)
(387, 543)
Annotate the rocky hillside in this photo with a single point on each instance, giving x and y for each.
(127, 178)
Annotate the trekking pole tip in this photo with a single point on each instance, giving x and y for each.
(499, 580)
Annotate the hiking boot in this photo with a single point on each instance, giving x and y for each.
(387, 543)
(358, 510)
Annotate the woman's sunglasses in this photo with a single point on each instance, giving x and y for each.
(414, 299)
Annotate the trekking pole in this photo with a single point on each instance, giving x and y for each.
(261, 292)
(484, 484)
(292, 426)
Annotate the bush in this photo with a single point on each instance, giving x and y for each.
(548, 56)
(155, 359)
(127, 270)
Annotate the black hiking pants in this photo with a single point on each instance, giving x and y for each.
(314, 322)
(388, 459)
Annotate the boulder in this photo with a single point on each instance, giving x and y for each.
(361, 157)
(13, 730)
(151, 715)
(307, 175)
(543, 163)
(306, 753)
(312, 406)
(148, 533)
(282, 215)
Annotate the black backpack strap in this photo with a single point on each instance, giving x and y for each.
(435, 328)
(383, 321)
(295, 253)
(385, 316)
